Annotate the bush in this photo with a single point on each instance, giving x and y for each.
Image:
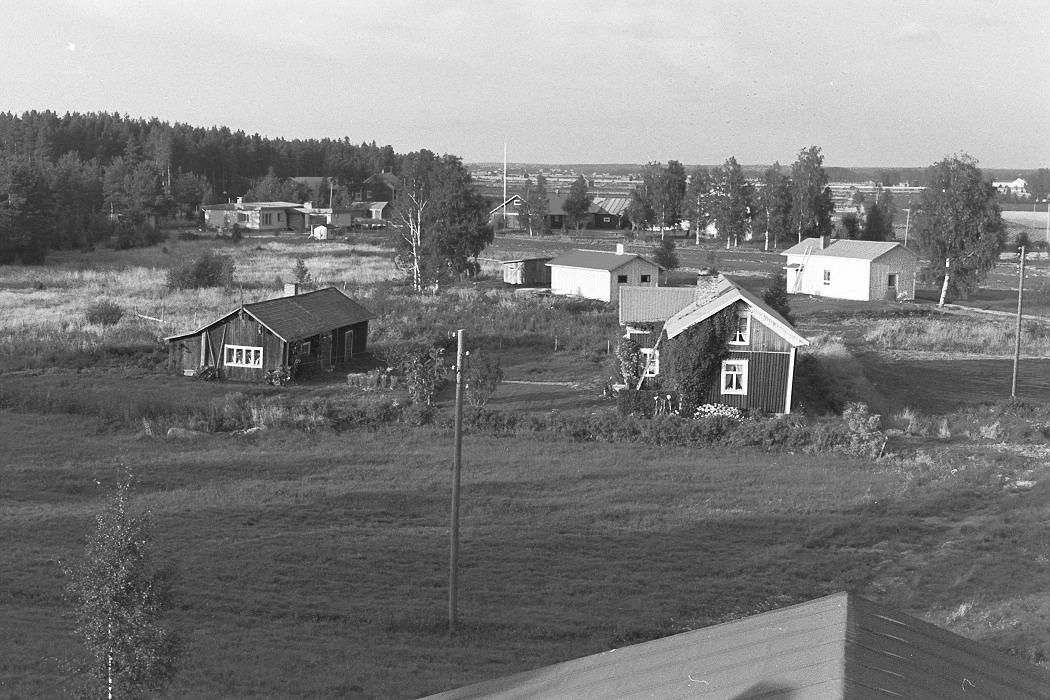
(104, 313)
(210, 269)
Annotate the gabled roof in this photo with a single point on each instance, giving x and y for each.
(731, 293)
(657, 304)
(301, 316)
(839, 248)
(595, 260)
(556, 204)
(389, 179)
(840, 647)
(614, 206)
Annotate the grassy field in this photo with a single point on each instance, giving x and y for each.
(313, 554)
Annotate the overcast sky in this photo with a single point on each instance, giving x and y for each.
(882, 83)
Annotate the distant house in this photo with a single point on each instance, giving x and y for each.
(840, 647)
(370, 210)
(758, 373)
(598, 275)
(603, 213)
(307, 217)
(1018, 187)
(527, 272)
(381, 187)
(250, 216)
(322, 328)
(859, 270)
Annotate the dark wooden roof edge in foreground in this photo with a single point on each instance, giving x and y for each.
(293, 318)
(840, 647)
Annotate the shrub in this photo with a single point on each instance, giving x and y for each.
(483, 377)
(210, 269)
(104, 313)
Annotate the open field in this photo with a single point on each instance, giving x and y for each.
(313, 554)
(314, 564)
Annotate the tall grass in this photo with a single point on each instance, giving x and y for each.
(991, 337)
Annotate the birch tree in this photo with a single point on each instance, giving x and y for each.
(119, 598)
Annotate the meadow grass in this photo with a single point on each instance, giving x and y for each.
(992, 337)
(315, 564)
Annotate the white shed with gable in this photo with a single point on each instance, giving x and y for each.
(858, 270)
(598, 275)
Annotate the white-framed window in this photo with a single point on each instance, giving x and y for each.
(827, 276)
(650, 362)
(734, 377)
(742, 332)
(305, 347)
(242, 356)
(646, 279)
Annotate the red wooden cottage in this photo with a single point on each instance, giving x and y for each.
(758, 372)
(841, 647)
(319, 328)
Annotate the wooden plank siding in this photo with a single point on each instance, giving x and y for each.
(767, 382)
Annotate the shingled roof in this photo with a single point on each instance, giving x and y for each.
(841, 647)
(300, 316)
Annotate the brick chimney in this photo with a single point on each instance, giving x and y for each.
(824, 242)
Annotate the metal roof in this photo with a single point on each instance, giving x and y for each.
(730, 293)
(657, 304)
(840, 647)
(301, 316)
(595, 260)
(614, 206)
(839, 248)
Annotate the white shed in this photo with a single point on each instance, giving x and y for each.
(598, 274)
(321, 233)
(859, 270)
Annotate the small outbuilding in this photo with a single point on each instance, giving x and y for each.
(320, 328)
(596, 274)
(529, 272)
(840, 647)
(858, 270)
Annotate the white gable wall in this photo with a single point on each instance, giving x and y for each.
(849, 277)
(897, 262)
(601, 284)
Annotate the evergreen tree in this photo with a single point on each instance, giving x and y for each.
(664, 254)
(776, 295)
(26, 221)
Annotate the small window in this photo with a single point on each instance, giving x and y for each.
(267, 219)
(734, 377)
(742, 332)
(305, 347)
(621, 279)
(280, 216)
(606, 219)
(242, 356)
(650, 362)
(646, 278)
(242, 218)
(891, 281)
(827, 276)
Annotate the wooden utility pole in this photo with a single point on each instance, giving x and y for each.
(1017, 334)
(453, 553)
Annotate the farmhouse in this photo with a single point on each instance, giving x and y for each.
(598, 275)
(307, 217)
(251, 216)
(840, 647)
(319, 328)
(527, 272)
(604, 212)
(1017, 187)
(758, 371)
(859, 270)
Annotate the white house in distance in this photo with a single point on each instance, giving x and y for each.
(859, 270)
(598, 275)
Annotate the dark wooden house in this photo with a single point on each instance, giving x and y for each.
(841, 647)
(759, 371)
(321, 328)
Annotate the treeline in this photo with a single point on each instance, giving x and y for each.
(785, 204)
(75, 180)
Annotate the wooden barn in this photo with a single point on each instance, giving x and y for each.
(759, 371)
(840, 647)
(320, 328)
(529, 272)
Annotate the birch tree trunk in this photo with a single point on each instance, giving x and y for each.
(944, 287)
